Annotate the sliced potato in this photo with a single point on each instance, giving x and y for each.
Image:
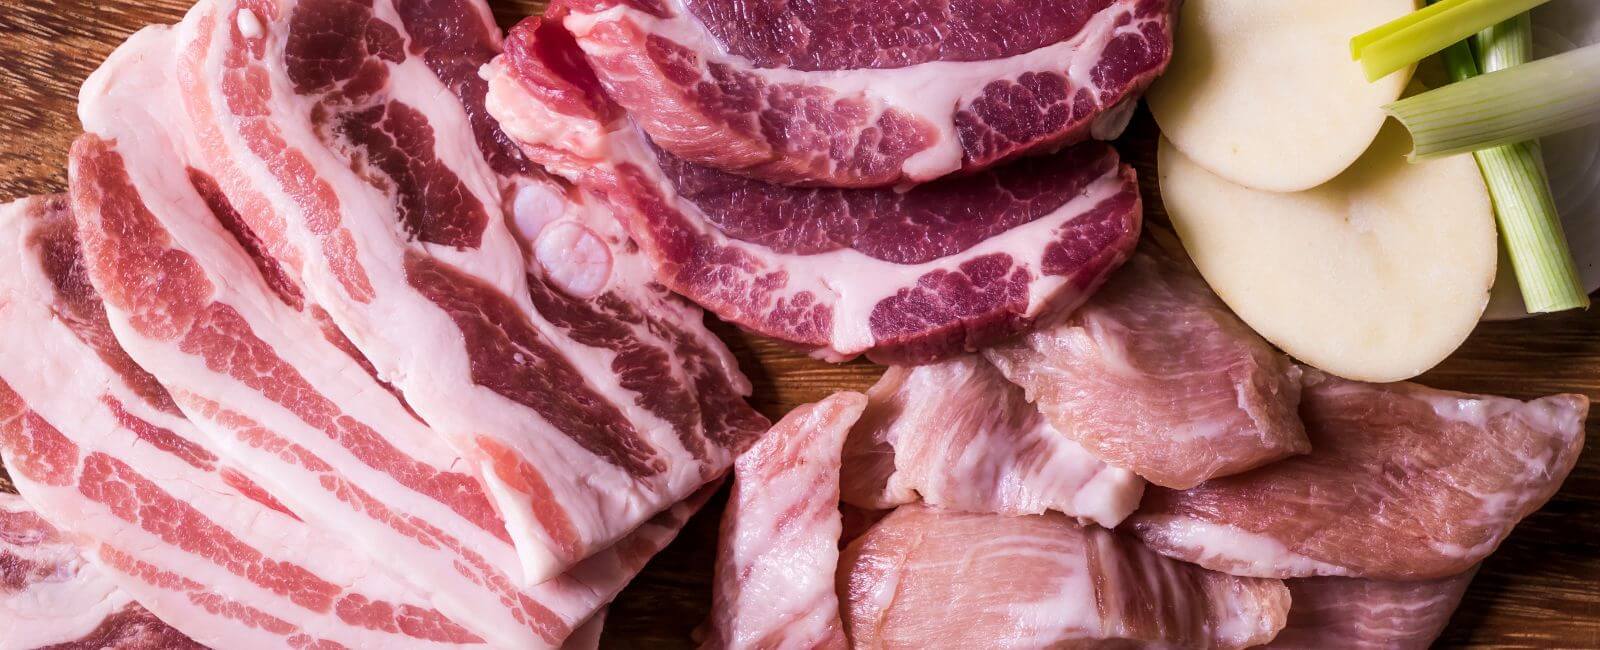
(1376, 275)
(1264, 92)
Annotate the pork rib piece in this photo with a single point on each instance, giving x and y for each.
(1156, 375)
(957, 435)
(854, 94)
(353, 136)
(1362, 614)
(1404, 482)
(929, 578)
(251, 361)
(105, 453)
(904, 277)
(52, 598)
(779, 546)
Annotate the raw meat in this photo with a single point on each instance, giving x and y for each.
(50, 597)
(102, 449)
(353, 136)
(851, 94)
(779, 544)
(924, 578)
(1362, 614)
(587, 637)
(1404, 482)
(905, 277)
(279, 392)
(957, 435)
(1156, 375)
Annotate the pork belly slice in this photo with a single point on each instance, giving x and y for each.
(1363, 614)
(779, 545)
(1156, 375)
(279, 392)
(353, 137)
(925, 577)
(957, 435)
(1404, 482)
(904, 277)
(51, 597)
(856, 94)
(104, 452)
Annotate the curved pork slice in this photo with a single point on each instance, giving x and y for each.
(957, 435)
(852, 94)
(904, 277)
(353, 137)
(1362, 614)
(925, 578)
(50, 597)
(779, 546)
(1404, 482)
(1155, 374)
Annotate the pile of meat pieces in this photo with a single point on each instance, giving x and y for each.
(362, 328)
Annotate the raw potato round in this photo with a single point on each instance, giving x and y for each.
(1265, 93)
(1376, 275)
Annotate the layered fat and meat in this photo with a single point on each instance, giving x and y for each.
(1404, 482)
(929, 578)
(50, 597)
(1363, 614)
(779, 546)
(957, 435)
(1156, 375)
(853, 94)
(353, 140)
(903, 276)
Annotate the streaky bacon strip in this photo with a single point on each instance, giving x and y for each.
(137, 485)
(527, 350)
(1362, 614)
(779, 545)
(50, 597)
(263, 382)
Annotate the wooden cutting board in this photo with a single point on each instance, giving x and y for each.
(1541, 590)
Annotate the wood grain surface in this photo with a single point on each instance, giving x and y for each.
(1541, 590)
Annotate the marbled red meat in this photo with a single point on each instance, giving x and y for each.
(907, 277)
(855, 94)
(1404, 482)
(1156, 375)
(927, 578)
(957, 435)
(1362, 614)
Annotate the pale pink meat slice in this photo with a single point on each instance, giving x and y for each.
(1404, 482)
(957, 435)
(1362, 614)
(1156, 375)
(779, 545)
(926, 578)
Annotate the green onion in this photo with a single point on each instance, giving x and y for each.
(1524, 209)
(1410, 38)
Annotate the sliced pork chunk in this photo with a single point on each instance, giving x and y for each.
(853, 94)
(353, 134)
(1362, 614)
(904, 277)
(50, 597)
(957, 435)
(779, 545)
(1404, 482)
(1156, 375)
(925, 578)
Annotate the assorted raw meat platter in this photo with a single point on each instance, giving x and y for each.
(383, 324)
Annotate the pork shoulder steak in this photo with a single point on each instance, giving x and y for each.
(905, 277)
(848, 93)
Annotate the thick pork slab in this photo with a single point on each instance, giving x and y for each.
(1156, 375)
(1404, 482)
(779, 546)
(905, 277)
(957, 435)
(1362, 614)
(929, 578)
(855, 94)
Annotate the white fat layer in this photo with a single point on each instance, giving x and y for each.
(1221, 547)
(249, 25)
